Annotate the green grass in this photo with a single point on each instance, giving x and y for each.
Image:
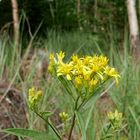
(125, 96)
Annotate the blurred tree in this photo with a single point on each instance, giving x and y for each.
(134, 29)
(90, 15)
(15, 14)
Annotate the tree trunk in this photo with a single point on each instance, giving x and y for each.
(78, 13)
(134, 29)
(15, 23)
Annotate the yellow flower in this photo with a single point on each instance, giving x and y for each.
(78, 68)
(95, 68)
(103, 60)
(92, 84)
(34, 97)
(87, 60)
(60, 56)
(52, 58)
(100, 60)
(78, 81)
(115, 116)
(31, 91)
(75, 58)
(110, 116)
(111, 72)
(84, 70)
(64, 69)
(39, 94)
(115, 119)
(64, 116)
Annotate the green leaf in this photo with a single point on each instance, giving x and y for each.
(35, 135)
(45, 115)
(90, 114)
(134, 117)
(91, 101)
(81, 125)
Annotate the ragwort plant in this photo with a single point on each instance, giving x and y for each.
(82, 77)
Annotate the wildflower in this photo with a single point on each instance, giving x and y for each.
(78, 81)
(111, 72)
(39, 94)
(115, 119)
(52, 58)
(34, 97)
(78, 68)
(92, 84)
(64, 69)
(63, 116)
(87, 60)
(60, 56)
(95, 68)
(31, 92)
(75, 59)
(85, 72)
(103, 60)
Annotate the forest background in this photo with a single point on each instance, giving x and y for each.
(82, 27)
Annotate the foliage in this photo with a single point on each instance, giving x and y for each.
(82, 78)
(28, 133)
(62, 15)
(91, 120)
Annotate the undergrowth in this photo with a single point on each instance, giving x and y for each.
(23, 73)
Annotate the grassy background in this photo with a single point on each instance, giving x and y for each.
(24, 73)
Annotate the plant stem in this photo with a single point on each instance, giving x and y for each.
(72, 126)
(49, 123)
(106, 133)
(54, 129)
(73, 119)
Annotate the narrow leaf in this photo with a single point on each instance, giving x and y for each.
(134, 117)
(81, 125)
(35, 135)
(45, 115)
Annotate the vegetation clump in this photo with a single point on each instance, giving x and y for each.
(85, 73)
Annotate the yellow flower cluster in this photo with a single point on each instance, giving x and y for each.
(115, 119)
(86, 72)
(64, 116)
(34, 97)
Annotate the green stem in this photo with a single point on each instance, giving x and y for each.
(106, 132)
(73, 119)
(52, 127)
(72, 126)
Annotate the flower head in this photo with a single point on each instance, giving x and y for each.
(64, 116)
(115, 119)
(64, 69)
(87, 72)
(60, 56)
(34, 97)
(111, 72)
